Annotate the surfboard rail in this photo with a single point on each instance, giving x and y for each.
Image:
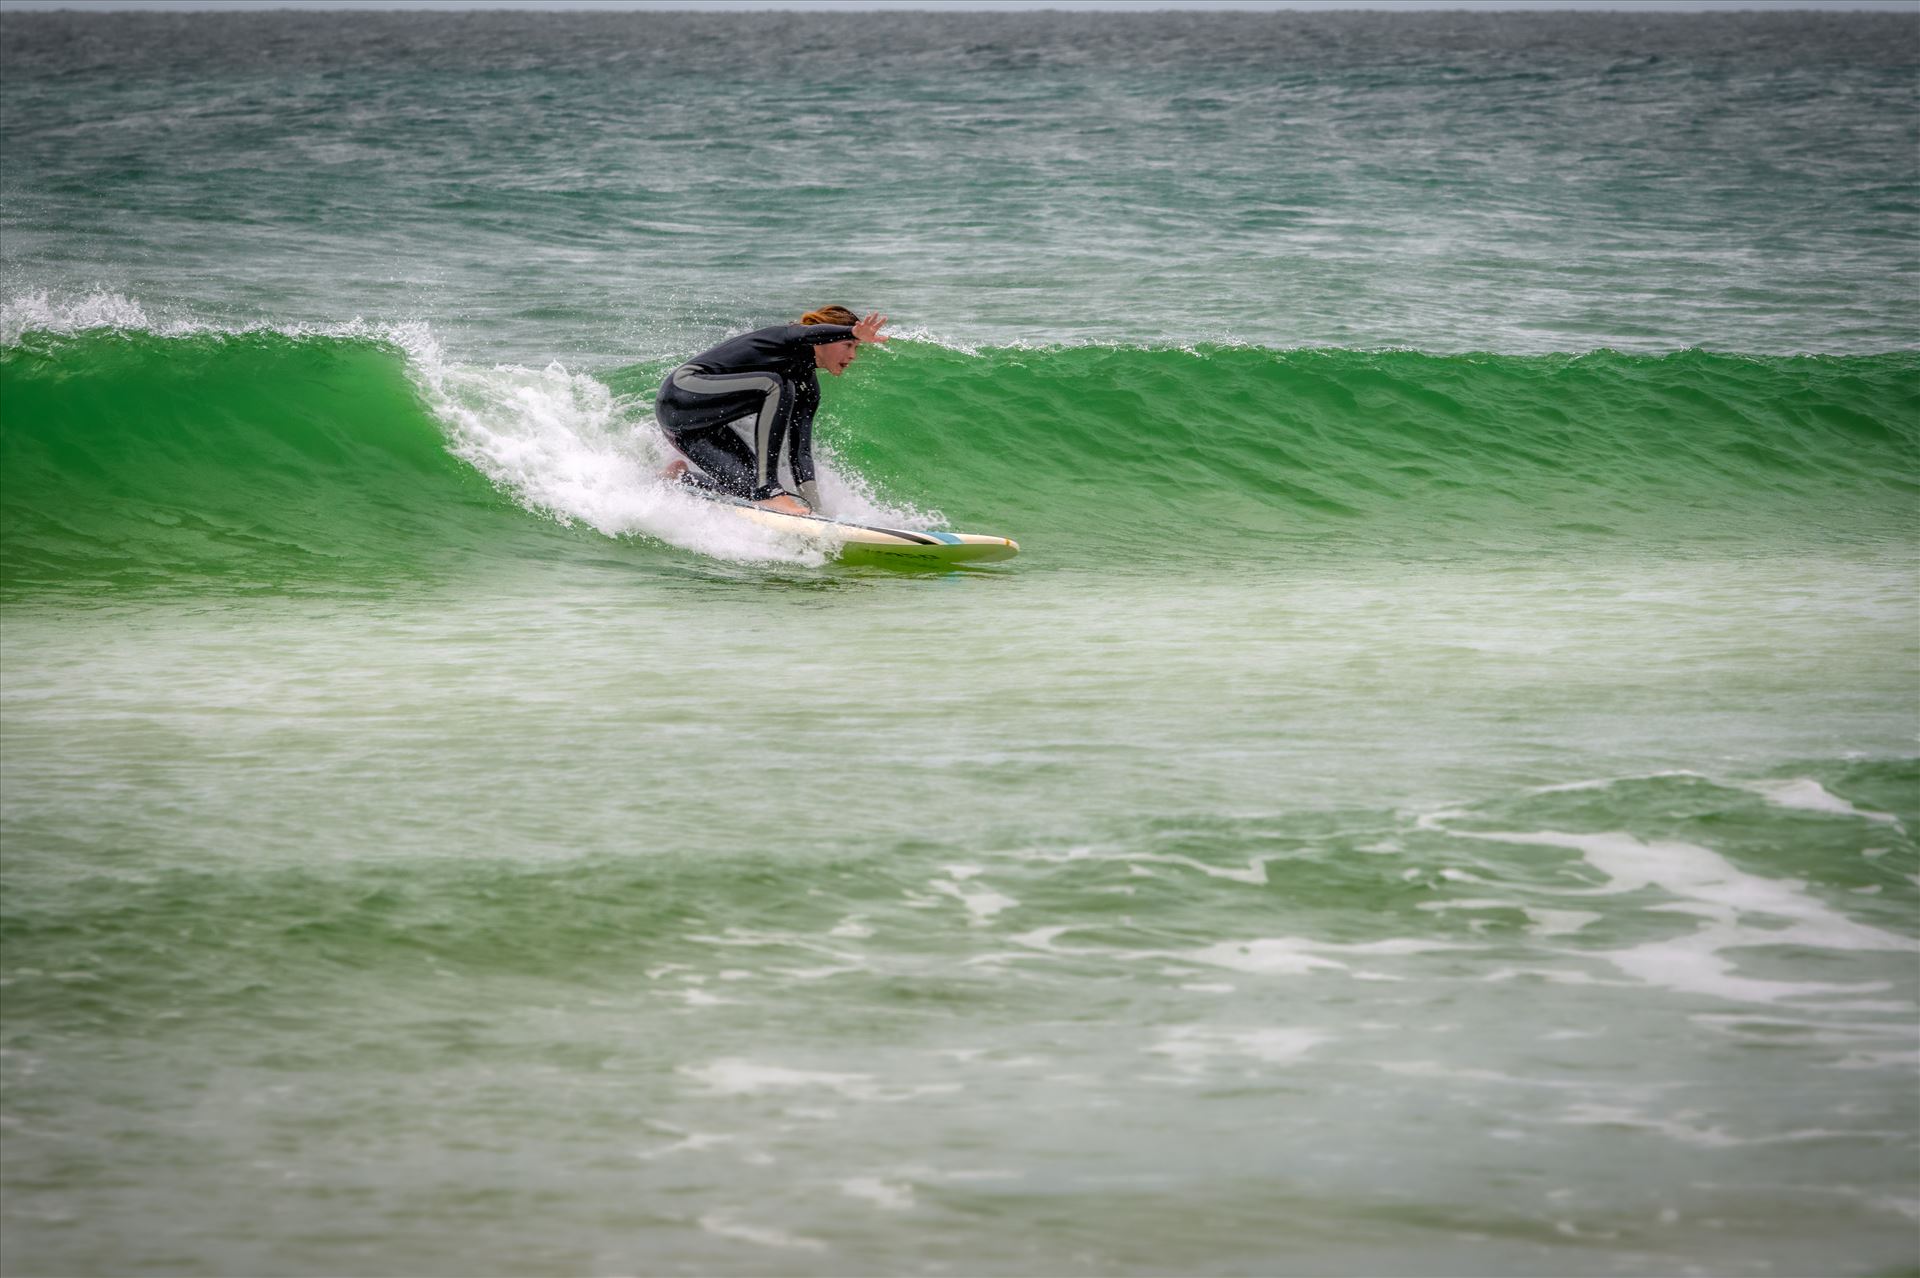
(868, 543)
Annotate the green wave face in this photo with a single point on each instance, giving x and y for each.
(250, 458)
(263, 459)
(1225, 449)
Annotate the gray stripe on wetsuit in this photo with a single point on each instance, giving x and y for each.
(766, 461)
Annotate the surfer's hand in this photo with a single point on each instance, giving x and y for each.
(868, 329)
(785, 503)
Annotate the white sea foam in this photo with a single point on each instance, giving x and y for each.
(1292, 955)
(742, 938)
(1043, 938)
(690, 1143)
(1552, 976)
(1474, 904)
(1606, 783)
(1722, 895)
(887, 1195)
(731, 1076)
(1696, 964)
(700, 998)
(1272, 957)
(724, 1225)
(1040, 944)
(824, 972)
(1678, 1127)
(1715, 887)
(1191, 1047)
(1265, 956)
(1471, 1074)
(1541, 922)
(1254, 874)
(1803, 793)
(734, 1077)
(956, 1176)
(1558, 922)
(982, 903)
(1809, 795)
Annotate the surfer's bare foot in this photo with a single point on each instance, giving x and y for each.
(675, 468)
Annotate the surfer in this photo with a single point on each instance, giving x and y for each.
(769, 375)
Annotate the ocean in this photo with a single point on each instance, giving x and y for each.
(1436, 793)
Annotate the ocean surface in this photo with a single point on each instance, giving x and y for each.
(1435, 795)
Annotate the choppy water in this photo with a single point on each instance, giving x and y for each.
(1434, 796)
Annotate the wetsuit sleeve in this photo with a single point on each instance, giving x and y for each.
(769, 348)
(801, 455)
(818, 334)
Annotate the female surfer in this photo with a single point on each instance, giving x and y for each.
(768, 374)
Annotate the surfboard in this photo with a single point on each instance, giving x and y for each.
(865, 543)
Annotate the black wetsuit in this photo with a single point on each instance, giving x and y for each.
(767, 374)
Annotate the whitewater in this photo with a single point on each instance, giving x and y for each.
(1436, 793)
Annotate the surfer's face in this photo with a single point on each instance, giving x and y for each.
(835, 356)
